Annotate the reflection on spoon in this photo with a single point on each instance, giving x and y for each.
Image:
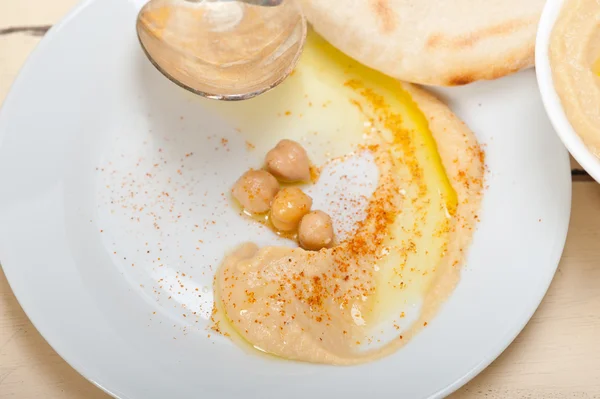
(223, 49)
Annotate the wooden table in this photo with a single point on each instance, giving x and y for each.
(556, 356)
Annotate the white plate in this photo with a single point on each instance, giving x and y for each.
(88, 97)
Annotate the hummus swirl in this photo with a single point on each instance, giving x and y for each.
(319, 306)
(574, 57)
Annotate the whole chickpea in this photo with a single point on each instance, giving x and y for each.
(315, 231)
(255, 190)
(288, 162)
(288, 207)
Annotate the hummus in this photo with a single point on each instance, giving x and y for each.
(325, 306)
(575, 61)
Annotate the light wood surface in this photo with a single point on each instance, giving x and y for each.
(556, 356)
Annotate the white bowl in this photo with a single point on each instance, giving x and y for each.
(550, 98)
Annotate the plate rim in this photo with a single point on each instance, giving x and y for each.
(46, 39)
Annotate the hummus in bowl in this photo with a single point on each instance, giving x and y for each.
(568, 71)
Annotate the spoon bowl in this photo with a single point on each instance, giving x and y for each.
(223, 49)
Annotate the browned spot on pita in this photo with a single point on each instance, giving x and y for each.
(460, 80)
(471, 39)
(385, 15)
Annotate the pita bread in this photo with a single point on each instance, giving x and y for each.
(448, 43)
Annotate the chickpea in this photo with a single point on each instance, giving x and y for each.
(288, 162)
(315, 231)
(255, 190)
(288, 207)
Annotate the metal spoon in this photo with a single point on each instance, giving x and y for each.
(223, 49)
